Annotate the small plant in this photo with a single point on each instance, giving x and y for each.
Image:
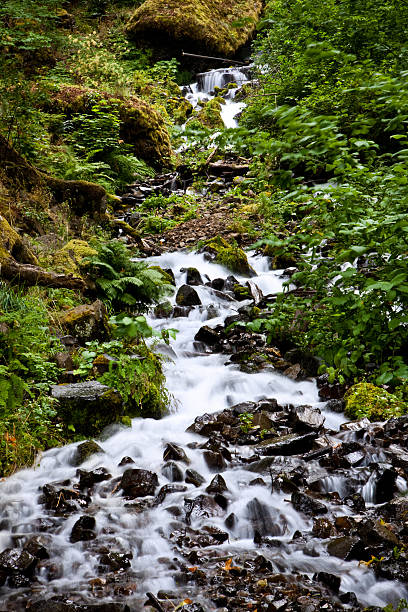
(246, 422)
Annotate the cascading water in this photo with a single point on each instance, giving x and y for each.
(200, 383)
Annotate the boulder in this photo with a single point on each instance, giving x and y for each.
(229, 255)
(88, 406)
(89, 479)
(138, 483)
(84, 451)
(68, 257)
(203, 26)
(187, 296)
(86, 322)
(193, 276)
(172, 472)
(193, 477)
(306, 418)
(291, 444)
(306, 504)
(208, 335)
(347, 548)
(175, 453)
(83, 530)
(202, 506)
(217, 485)
(265, 520)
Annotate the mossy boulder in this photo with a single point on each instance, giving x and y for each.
(12, 246)
(229, 255)
(200, 25)
(375, 403)
(141, 125)
(86, 322)
(67, 259)
(210, 115)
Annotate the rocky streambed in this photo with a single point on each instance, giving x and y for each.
(253, 494)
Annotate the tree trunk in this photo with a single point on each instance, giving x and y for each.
(34, 275)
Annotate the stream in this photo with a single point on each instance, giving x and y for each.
(138, 535)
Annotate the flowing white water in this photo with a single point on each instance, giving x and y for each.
(199, 383)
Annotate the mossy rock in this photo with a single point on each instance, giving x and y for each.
(67, 259)
(230, 256)
(12, 246)
(375, 403)
(141, 125)
(86, 321)
(279, 259)
(179, 109)
(210, 115)
(84, 451)
(198, 25)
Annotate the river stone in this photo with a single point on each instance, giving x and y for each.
(208, 335)
(265, 520)
(291, 444)
(193, 477)
(187, 296)
(214, 460)
(84, 451)
(168, 489)
(306, 504)
(175, 452)
(83, 530)
(172, 472)
(203, 506)
(36, 547)
(374, 532)
(88, 406)
(217, 485)
(138, 483)
(205, 425)
(385, 484)
(115, 561)
(63, 498)
(347, 548)
(13, 560)
(330, 580)
(306, 418)
(86, 322)
(89, 479)
(193, 276)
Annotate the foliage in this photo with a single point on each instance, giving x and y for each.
(367, 400)
(122, 282)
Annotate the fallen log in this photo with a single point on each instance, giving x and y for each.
(34, 275)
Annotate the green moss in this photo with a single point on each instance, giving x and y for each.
(66, 259)
(210, 115)
(367, 400)
(202, 25)
(230, 256)
(11, 245)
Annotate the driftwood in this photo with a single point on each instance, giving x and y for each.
(34, 275)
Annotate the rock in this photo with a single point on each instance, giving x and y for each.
(306, 418)
(217, 485)
(291, 444)
(64, 361)
(199, 28)
(330, 580)
(230, 256)
(323, 528)
(36, 547)
(202, 506)
(15, 560)
(125, 461)
(63, 499)
(393, 569)
(306, 504)
(172, 472)
(138, 483)
(208, 335)
(89, 479)
(193, 276)
(168, 489)
(84, 529)
(374, 532)
(175, 453)
(88, 406)
(355, 501)
(115, 561)
(205, 425)
(193, 477)
(214, 460)
(347, 548)
(187, 296)
(335, 405)
(265, 520)
(86, 322)
(385, 485)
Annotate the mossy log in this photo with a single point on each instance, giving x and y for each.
(208, 26)
(82, 196)
(34, 275)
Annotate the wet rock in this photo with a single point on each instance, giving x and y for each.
(393, 569)
(360, 425)
(115, 561)
(291, 444)
(231, 521)
(193, 477)
(193, 276)
(385, 485)
(175, 453)
(181, 311)
(355, 501)
(84, 529)
(335, 405)
(63, 499)
(214, 460)
(89, 479)
(168, 489)
(17, 561)
(306, 418)
(138, 483)
(205, 424)
(89, 406)
(202, 506)
(125, 461)
(330, 580)
(349, 598)
(265, 520)
(307, 361)
(327, 390)
(374, 532)
(84, 451)
(187, 296)
(306, 504)
(208, 335)
(323, 528)
(347, 548)
(217, 485)
(36, 547)
(172, 472)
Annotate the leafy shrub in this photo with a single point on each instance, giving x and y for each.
(367, 400)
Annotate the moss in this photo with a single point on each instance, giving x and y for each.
(166, 276)
(141, 125)
(280, 258)
(66, 259)
(210, 114)
(179, 109)
(230, 256)
(12, 246)
(375, 403)
(199, 25)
